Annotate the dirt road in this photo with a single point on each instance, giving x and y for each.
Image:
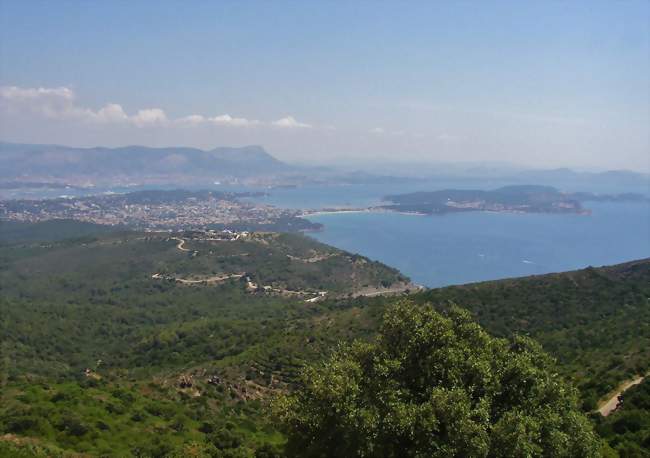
(181, 242)
(612, 403)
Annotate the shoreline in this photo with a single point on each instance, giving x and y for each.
(368, 210)
(307, 213)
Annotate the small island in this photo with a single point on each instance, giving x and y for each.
(518, 199)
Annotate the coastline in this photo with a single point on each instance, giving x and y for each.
(307, 214)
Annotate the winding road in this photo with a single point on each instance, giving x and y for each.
(612, 403)
(181, 242)
(205, 280)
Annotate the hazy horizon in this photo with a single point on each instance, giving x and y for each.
(387, 166)
(545, 85)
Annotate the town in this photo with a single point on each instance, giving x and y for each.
(161, 210)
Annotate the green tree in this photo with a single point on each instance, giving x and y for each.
(435, 385)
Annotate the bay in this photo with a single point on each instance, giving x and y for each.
(469, 247)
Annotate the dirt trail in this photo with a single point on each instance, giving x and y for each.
(313, 259)
(215, 279)
(612, 403)
(379, 291)
(198, 281)
(181, 242)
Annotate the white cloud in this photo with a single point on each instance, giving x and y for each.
(60, 103)
(149, 116)
(49, 102)
(18, 93)
(112, 113)
(220, 120)
(227, 120)
(290, 122)
(191, 120)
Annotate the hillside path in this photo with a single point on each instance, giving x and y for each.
(180, 244)
(612, 403)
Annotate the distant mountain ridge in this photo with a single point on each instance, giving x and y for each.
(251, 165)
(60, 162)
(586, 179)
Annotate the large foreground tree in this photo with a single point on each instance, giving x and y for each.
(435, 386)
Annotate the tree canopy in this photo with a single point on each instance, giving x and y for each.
(437, 386)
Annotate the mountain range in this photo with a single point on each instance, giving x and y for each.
(55, 162)
(34, 164)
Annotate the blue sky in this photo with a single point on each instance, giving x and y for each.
(536, 83)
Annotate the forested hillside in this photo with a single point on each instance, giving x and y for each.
(596, 321)
(132, 343)
(150, 344)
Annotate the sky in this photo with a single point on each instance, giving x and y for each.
(540, 84)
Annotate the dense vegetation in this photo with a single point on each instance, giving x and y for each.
(528, 198)
(435, 386)
(96, 355)
(595, 321)
(122, 419)
(50, 231)
(67, 304)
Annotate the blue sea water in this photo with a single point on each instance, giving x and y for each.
(359, 195)
(461, 248)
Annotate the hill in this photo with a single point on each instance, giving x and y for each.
(149, 279)
(149, 344)
(515, 198)
(135, 343)
(612, 180)
(596, 321)
(49, 231)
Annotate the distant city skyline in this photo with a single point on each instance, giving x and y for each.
(538, 84)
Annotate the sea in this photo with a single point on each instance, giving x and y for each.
(459, 248)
